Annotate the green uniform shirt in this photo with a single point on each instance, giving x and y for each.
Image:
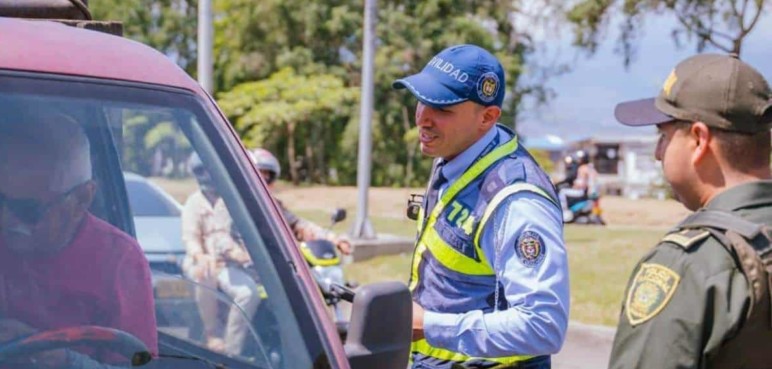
(682, 303)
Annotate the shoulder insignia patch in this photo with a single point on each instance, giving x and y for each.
(530, 249)
(686, 238)
(650, 292)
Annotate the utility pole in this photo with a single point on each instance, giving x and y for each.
(362, 226)
(205, 65)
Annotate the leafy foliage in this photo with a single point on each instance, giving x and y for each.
(304, 51)
(720, 24)
(292, 110)
(167, 25)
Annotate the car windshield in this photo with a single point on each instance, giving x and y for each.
(122, 225)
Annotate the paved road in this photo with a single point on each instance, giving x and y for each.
(586, 347)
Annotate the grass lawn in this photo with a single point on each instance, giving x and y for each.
(600, 261)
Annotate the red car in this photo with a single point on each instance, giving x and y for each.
(78, 108)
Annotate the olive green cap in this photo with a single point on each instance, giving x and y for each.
(719, 90)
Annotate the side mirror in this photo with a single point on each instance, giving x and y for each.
(381, 327)
(338, 215)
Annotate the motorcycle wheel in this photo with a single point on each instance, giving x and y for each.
(596, 219)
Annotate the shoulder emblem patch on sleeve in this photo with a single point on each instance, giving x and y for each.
(650, 291)
(530, 248)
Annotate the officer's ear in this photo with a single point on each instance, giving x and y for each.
(701, 138)
(491, 115)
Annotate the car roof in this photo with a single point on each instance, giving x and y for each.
(51, 47)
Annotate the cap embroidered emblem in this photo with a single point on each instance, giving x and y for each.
(488, 86)
(669, 82)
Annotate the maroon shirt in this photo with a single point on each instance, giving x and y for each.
(101, 278)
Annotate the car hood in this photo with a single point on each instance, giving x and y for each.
(160, 234)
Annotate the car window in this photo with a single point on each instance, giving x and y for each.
(90, 234)
(147, 200)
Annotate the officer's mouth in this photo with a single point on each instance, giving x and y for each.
(426, 137)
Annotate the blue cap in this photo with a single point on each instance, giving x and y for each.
(457, 74)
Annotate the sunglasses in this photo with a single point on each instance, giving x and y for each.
(31, 211)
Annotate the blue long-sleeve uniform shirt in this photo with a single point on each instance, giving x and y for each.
(538, 296)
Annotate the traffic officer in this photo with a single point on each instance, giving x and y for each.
(489, 276)
(701, 298)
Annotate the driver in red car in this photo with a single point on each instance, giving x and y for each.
(60, 266)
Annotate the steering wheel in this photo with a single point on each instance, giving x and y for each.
(118, 341)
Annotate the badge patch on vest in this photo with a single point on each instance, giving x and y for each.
(651, 290)
(530, 249)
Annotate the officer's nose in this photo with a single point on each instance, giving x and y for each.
(423, 115)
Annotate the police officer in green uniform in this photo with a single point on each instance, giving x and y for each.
(701, 297)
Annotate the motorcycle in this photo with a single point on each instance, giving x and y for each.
(585, 209)
(323, 259)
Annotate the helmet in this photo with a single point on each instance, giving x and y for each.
(572, 167)
(582, 157)
(264, 160)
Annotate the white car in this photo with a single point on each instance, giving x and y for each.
(157, 223)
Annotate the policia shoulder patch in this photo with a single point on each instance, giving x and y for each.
(650, 292)
(530, 249)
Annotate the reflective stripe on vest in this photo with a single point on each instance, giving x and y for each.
(502, 195)
(445, 254)
(422, 347)
(448, 256)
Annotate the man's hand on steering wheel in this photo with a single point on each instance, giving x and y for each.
(22, 344)
(12, 329)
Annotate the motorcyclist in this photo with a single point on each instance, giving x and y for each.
(571, 169)
(304, 230)
(582, 186)
(215, 259)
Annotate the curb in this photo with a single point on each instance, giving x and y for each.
(385, 244)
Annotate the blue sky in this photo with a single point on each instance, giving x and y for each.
(586, 96)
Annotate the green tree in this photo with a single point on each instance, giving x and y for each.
(254, 40)
(721, 24)
(147, 133)
(166, 25)
(292, 111)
